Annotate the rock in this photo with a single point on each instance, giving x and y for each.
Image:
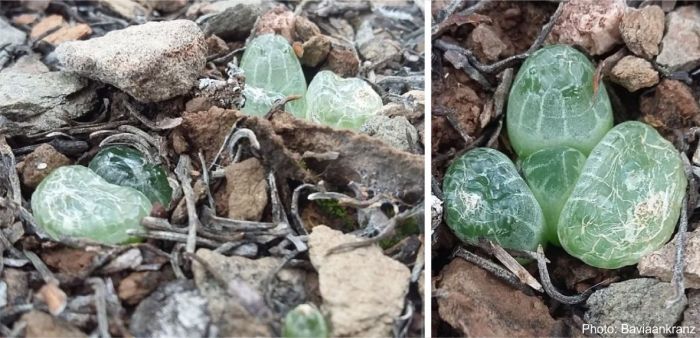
(315, 50)
(68, 33)
(35, 5)
(227, 312)
(151, 62)
(477, 304)
(67, 260)
(396, 131)
(24, 19)
(376, 48)
(634, 73)
(246, 187)
(165, 6)
(342, 59)
(127, 9)
(40, 163)
(39, 101)
(680, 47)
(305, 29)
(484, 41)
(672, 106)
(642, 30)
(631, 303)
(137, 285)
(46, 25)
(278, 20)
(216, 45)
(206, 130)
(659, 263)
(691, 316)
(11, 38)
(17, 282)
(357, 285)
(42, 325)
(591, 24)
(176, 309)
(234, 22)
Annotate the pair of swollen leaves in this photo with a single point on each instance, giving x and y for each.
(101, 202)
(608, 210)
(273, 72)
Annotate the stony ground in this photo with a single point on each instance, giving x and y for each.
(270, 197)
(649, 58)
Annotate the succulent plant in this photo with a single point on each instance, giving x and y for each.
(305, 321)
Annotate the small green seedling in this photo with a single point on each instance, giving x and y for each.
(305, 321)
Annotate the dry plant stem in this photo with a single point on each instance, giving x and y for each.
(347, 201)
(550, 289)
(679, 264)
(460, 61)
(386, 230)
(210, 219)
(175, 262)
(402, 324)
(250, 298)
(604, 68)
(240, 134)
(205, 179)
(183, 174)
(153, 141)
(489, 266)
(162, 224)
(502, 91)
(132, 140)
(165, 124)
(10, 171)
(511, 264)
(546, 29)
(224, 144)
(39, 265)
(278, 213)
(13, 310)
(101, 306)
(449, 115)
(298, 222)
(455, 5)
(174, 237)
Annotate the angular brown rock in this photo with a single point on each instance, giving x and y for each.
(681, 45)
(40, 163)
(43, 325)
(486, 43)
(634, 73)
(659, 263)
(673, 106)
(591, 24)
(642, 30)
(477, 304)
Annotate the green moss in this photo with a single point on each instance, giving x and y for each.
(403, 230)
(333, 209)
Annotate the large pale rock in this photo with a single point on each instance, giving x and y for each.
(681, 45)
(32, 99)
(635, 303)
(642, 30)
(227, 312)
(10, 37)
(151, 62)
(691, 316)
(477, 304)
(634, 73)
(363, 290)
(395, 131)
(659, 263)
(591, 24)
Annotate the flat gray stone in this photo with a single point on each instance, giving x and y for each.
(152, 62)
(633, 303)
(175, 309)
(235, 19)
(10, 37)
(395, 131)
(35, 100)
(680, 47)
